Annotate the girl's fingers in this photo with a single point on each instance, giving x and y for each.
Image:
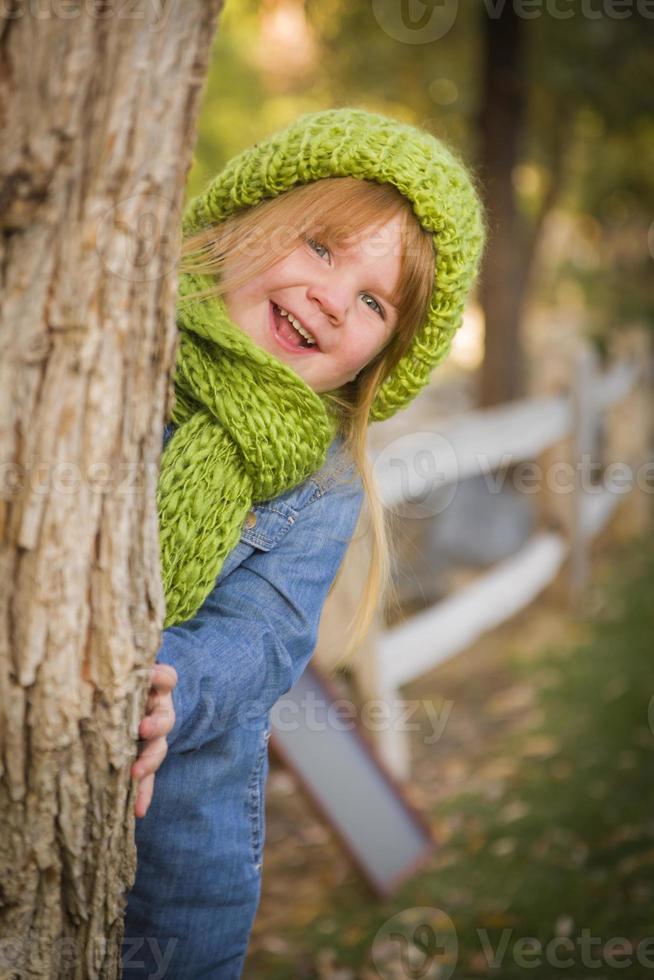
(163, 681)
(151, 758)
(163, 678)
(160, 722)
(144, 795)
(152, 702)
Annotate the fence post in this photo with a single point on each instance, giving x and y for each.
(553, 503)
(391, 741)
(584, 444)
(629, 432)
(379, 706)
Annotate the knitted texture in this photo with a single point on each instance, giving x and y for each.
(356, 143)
(249, 428)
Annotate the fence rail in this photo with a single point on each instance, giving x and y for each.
(559, 430)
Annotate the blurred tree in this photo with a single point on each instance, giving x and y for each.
(501, 123)
(546, 91)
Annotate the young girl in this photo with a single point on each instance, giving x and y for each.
(324, 273)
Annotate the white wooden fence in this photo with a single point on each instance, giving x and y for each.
(551, 431)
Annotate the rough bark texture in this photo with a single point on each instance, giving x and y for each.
(99, 105)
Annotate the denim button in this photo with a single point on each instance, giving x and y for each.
(251, 519)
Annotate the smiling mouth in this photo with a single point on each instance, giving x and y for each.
(287, 336)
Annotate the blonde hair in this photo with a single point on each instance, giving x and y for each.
(251, 240)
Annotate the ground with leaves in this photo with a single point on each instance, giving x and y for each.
(540, 793)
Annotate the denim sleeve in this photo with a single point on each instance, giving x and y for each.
(256, 631)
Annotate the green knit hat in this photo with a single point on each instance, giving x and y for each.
(356, 143)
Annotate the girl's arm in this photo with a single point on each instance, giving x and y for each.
(256, 631)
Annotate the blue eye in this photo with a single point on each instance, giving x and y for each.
(379, 309)
(312, 242)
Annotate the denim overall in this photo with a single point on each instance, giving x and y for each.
(199, 847)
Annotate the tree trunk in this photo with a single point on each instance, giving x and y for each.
(502, 280)
(100, 103)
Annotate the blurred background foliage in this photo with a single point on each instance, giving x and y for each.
(581, 179)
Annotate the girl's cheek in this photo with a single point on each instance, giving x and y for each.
(366, 355)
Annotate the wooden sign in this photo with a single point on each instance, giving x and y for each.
(336, 764)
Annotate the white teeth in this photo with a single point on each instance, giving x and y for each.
(298, 326)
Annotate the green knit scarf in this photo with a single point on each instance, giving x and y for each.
(248, 428)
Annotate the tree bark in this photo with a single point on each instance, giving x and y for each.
(99, 107)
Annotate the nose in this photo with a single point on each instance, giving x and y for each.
(331, 298)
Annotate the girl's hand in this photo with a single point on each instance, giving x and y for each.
(158, 722)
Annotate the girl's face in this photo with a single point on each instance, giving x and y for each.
(339, 298)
